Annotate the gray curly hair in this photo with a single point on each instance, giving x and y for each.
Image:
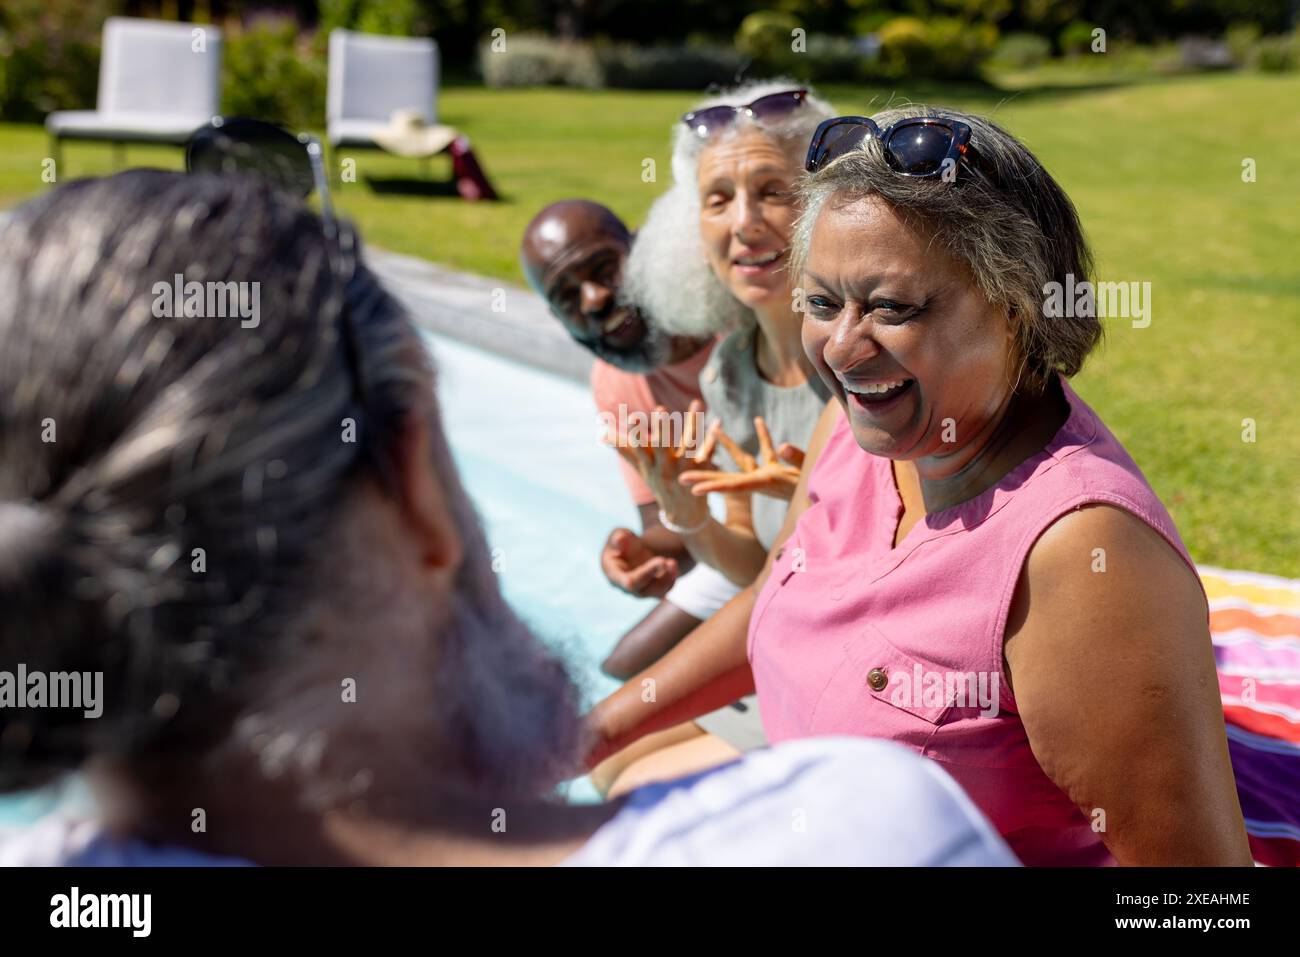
(667, 277)
(666, 273)
(793, 131)
(1012, 225)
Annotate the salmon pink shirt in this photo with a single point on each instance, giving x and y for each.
(851, 635)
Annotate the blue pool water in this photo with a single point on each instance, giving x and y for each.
(548, 493)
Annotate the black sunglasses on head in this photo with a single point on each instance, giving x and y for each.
(920, 146)
(708, 121)
(294, 163)
(289, 161)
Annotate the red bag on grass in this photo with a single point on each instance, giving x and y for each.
(471, 182)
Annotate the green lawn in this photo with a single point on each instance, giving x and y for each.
(1155, 170)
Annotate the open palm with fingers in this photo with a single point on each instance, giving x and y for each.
(775, 472)
(660, 463)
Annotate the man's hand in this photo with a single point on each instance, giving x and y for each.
(630, 565)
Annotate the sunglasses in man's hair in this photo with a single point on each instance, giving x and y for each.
(293, 162)
(238, 145)
(708, 121)
(916, 146)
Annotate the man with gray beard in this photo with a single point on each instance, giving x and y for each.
(339, 681)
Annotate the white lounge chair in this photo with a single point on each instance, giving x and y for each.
(158, 82)
(373, 77)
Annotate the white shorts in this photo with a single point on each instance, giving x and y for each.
(702, 591)
(739, 724)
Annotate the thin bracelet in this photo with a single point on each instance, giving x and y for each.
(678, 529)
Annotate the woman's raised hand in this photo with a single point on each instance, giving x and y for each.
(775, 473)
(661, 462)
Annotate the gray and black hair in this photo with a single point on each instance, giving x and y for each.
(129, 441)
(1007, 220)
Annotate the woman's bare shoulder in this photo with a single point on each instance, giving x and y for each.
(1101, 584)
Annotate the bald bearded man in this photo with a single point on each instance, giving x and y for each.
(573, 253)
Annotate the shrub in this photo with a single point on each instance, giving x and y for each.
(272, 74)
(1201, 53)
(826, 59)
(944, 47)
(831, 59)
(1162, 58)
(1022, 51)
(535, 60)
(1277, 54)
(398, 18)
(869, 22)
(668, 67)
(49, 55)
(958, 49)
(766, 35)
(1076, 38)
(1241, 39)
(905, 47)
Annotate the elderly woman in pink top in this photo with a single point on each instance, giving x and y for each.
(972, 565)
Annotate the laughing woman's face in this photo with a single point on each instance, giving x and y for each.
(899, 332)
(747, 215)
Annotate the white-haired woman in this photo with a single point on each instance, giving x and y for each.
(736, 160)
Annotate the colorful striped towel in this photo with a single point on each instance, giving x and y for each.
(1255, 626)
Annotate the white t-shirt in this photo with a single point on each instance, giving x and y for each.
(60, 841)
(816, 802)
(821, 801)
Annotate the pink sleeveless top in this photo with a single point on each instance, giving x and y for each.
(851, 635)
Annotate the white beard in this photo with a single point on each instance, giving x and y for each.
(655, 350)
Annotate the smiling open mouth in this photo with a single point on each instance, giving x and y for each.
(878, 396)
(758, 262)
(622, 329)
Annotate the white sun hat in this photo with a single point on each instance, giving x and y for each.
(409, 134)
